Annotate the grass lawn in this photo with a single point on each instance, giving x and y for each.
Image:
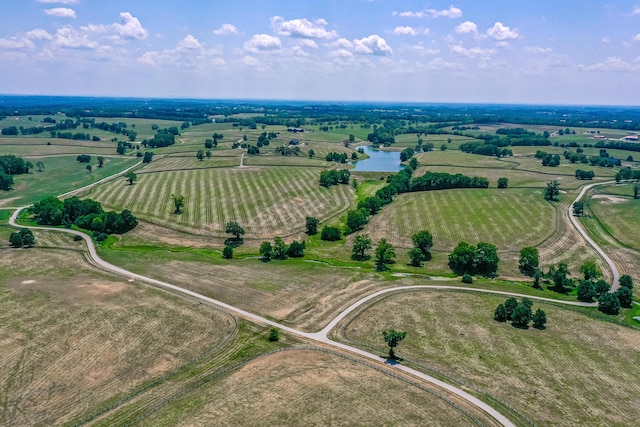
(61, 174)
(578, 371)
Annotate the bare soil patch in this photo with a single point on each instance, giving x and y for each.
(607, 198)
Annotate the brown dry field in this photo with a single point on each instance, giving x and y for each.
(307, 388)
(72, 336)
(577, 372)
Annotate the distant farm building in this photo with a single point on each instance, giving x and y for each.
(295, 130)
(598, 137)
(294, 142)
(631, 138)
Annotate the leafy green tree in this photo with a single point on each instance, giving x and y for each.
(312, 225)
(274, 334)
(89, 168)
(503, 182)
(15, 239)
(100, 161)
(558, 275)
(510, 305)
(416, 257)
(131, 177)
(537, 275)
(148, 157)
(462, 259)
(500, 313)
(266, 251)
(521, 316)
(296, 249)
(539, 319)
(413, 163)
(393, 338)
(586, 291)
(361, 244)
(590, 270)
(208, 154)
(280, 249)
(609, 303)
(626, 281)
(487, 259)
(200, 155)
(6, 181)
(330, 234)
(22, 239)
(552, 191)
(423, 240)
(467, 278)
(578, 208)
(312, 154)
(235, 230)
(356, 220)
(178, 203)
(529, 261)
(227, 252)
(625, 296)
(385, 254)
(601, 287)
(636, 190)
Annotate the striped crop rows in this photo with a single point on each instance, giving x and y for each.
(509, 219)
(266, 202)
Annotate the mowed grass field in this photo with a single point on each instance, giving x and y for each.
(73, 337)
(302, 387)
(619, 215)
(510, 219)
(578, 371)
(60, 175)
(265, 201)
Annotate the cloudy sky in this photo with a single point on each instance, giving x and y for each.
(498, 51)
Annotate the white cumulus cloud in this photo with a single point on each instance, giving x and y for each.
(189, 42)
(612, 63)
(226, 30)
(308, 43)
(302, 28)
(61, 12)
(453, 12)
(473, 52)
(343, 44)
(636, 38)
(467, 27)
(405, 31)
(67, 37)
(538, 49)
(501, 32)
(341, 53)
(16, 43)
(372, 45)
(262, 42)
(39, 34)
(130, 27)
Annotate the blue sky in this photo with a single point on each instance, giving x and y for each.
(502, 51)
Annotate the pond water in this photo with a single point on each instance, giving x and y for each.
(379, 161)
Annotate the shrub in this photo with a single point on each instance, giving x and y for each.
(467, 278)
(330, 234)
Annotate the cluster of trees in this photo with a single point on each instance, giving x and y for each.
(163, 138)
(481, 259)
(83, 158)
(576, 157)
(22, 239)
(336, 157)
(406, 154)
(382, 135)
(288, 151)
(592, 286)
(87, 214)
(442, 180)
(582, 175)
(520, 313)
(280, 250)
(265, 138)
(201, 154)
(333, 177)
(11, 165)
(421, 251)
(485, 149)
(626, 174)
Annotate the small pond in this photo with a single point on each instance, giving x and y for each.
(379, 161)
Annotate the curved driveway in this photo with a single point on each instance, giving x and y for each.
(321, 336)
(576, 223)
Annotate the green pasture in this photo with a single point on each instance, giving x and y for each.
(38, 147)
(578, 370)
(510, 219)
(620, 217)
(265, 201)
(61, 174)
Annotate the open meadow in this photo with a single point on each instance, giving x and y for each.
(578, 370)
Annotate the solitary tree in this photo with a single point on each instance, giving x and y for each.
(89, 168)
(503, 182)
(312, 225)
(636, 190)
(178, 203)
(578, 208)
(40, 166)
(416, 257)
(235, 230)
(200, 155)
(393, 338)
(274, 334)
(423, 240)
(529, 261)
(361, 244)
(590, 270)
(131, 177)
(227, 252)
(100, 161)
(552, 191)
(539, 319)
(385, 254)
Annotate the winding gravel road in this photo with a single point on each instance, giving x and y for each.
(322, 335)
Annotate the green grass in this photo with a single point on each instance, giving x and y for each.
(579, 371)
(265, 201)
(61, 174)
(619, 217)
